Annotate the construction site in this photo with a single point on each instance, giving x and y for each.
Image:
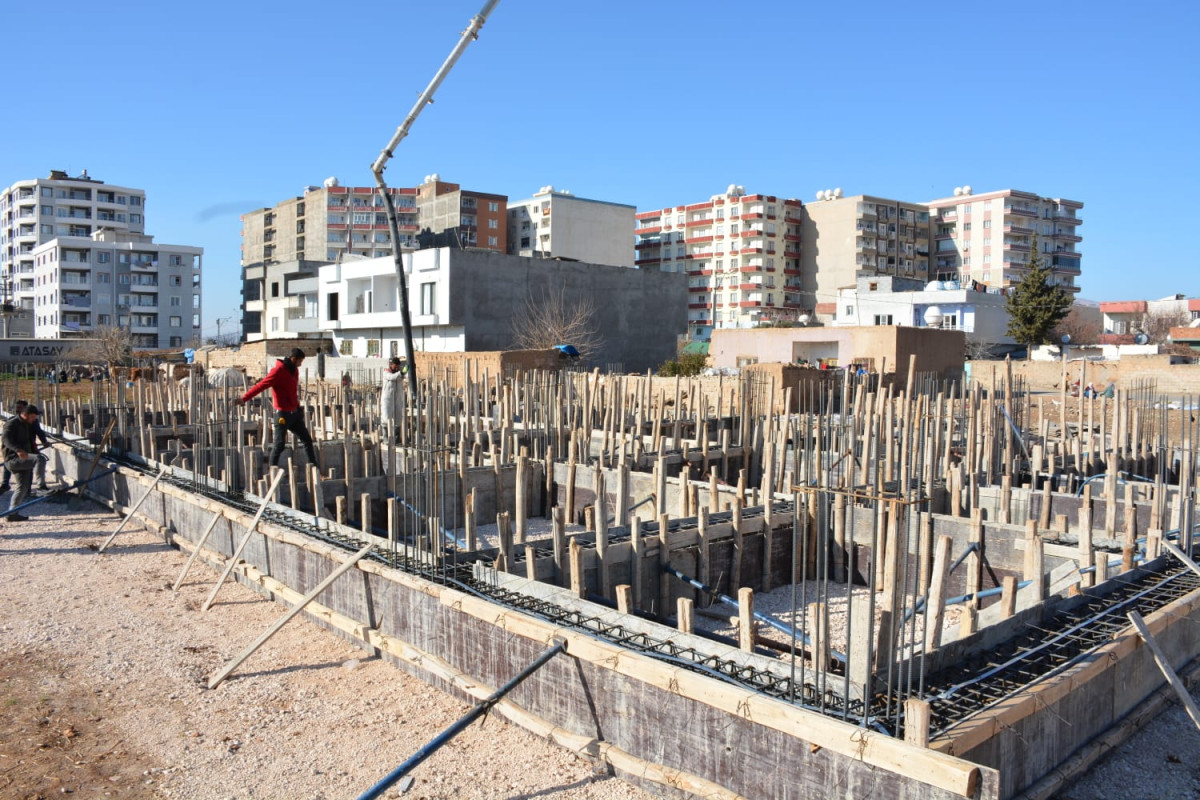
(861, 585)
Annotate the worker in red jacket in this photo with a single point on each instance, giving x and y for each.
(284, 381)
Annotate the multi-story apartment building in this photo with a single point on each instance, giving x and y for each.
(847, 235)
(33, 212)
(989, 237)
(741, 254)
(557, 224)
(478, 219)
(117, 278)
(331, 221)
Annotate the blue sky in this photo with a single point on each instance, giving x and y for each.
(220, 108)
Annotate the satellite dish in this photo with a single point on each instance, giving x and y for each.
(1141, 338)
(820, 194)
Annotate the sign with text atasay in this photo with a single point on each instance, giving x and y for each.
(37, 351)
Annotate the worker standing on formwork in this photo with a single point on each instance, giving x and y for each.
(391, 393)
(284, 382)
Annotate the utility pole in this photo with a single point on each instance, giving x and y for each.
(221, 320)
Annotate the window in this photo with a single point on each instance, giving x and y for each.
(135, 219)
(123, 278)
(331, 308)
(176, 302)
(493, 224)
(849, 311)
(176, 322)
(176, 261)
(372, 347)
(428, 298)
(274, 288)
(104, 319)
(493, 241)
(134, 200)
(175, 280)
(102, 257)
(987, 223)
(363, 219)
(274, 324)
(176, 341)
(195, 320)
(883, 319)
(346, 348)
(524, 241)
(493, 206)
(195, 301)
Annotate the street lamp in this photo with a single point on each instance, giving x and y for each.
(220, 321)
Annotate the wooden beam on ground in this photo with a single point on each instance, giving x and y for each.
(220, 677)
(161, 471)
(237, 554)
(199, 546)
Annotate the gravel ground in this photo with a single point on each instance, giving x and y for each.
(103, 670)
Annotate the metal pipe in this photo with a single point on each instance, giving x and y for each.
(458, 727)
(377, 168)
(729, 601)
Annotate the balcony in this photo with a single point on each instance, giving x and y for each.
(647, 230)
(698, 239)
(1018, 229)
(1067, 217)
(1066, 236)
(749, 251)
(697, 223)
(698, 305)
(791, 253)
(791, 237)
(1021, 212)
(76, 302)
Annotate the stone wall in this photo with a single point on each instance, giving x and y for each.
(1171, 379)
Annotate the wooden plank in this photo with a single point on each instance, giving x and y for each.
(1164, 664)
(926, 766)
(225, 671)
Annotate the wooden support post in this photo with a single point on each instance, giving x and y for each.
(364, 504)
(339, 506)
(1164, 664)
(936, 602)
(746, 619)
(820, 637)
(578, 579)
(1008, 596)
(685, 617)
(625, 598)
(974, 563)
(308, 598)
(916, 722)
(1086, 556)
(149, 489)
(199, 546)
(237, 553)
(1035, 561)
(318, 491)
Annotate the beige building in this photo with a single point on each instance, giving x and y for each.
(847, 235)
(33, 212)
(557, 224)
(880, 349)
(989, 237)
(478, 220)
(741, 254)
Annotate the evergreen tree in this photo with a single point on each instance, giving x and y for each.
(1034, 305)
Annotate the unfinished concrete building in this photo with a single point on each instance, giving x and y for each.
(905, 589)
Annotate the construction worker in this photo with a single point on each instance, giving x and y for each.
(39, 470)
(284, 382)
(391, 393)
(20, 456)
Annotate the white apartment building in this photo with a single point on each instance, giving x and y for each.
(557, 224)
(33, 212)
(741, 254)
(989, 237)
(889, 300)
(117, 278)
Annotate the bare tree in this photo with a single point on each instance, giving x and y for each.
(1082, 327)
(1157, 325)
(107, 345)
(979, 348)
(552, 319)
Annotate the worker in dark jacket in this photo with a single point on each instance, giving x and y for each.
(284, 382)
(20, 456)
(39, 468)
